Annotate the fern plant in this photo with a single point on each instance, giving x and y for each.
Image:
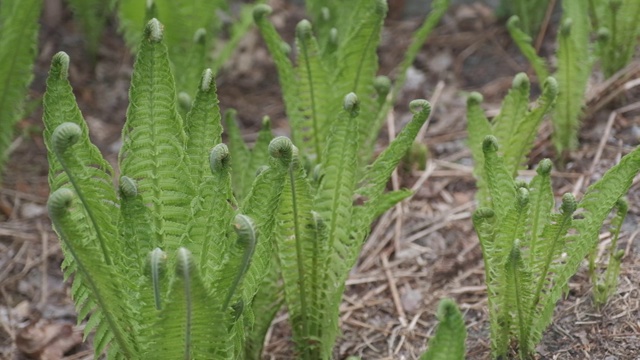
(333, 58)
(18, 45)
(321, 230)
(616, 24)
(573, 69)
(168, 265)
(529, 250)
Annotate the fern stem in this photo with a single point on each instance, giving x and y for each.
(300, 260)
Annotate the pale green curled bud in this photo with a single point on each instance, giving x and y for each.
(60, 201)
(483, 213)
(128, 187)
(219, 158)
(522, 196)
(618, 255)
(325, 13)
(419, 105)
(382, 84)
(184, 101)
(603, 35)
(544, 167)
(149, 4)
(550, 89)
(351, 103)
(304, 30)
(157, 264)
(521, 80)
(266, 123)
(200, 36)
(60, 65)
(565, 28)
(489, 144)
(207, 81)
(64, 136)
(154, 31)
(184, 265)
(286, 48)
(281, 148)
(247, 239)
(246, 230)
(474, 98)
(569, 204)
(260, 11)
(333, 37)
(602, 288)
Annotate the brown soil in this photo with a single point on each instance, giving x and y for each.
(421, 251)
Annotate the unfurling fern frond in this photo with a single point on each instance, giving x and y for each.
(448, 343)
(574, 68)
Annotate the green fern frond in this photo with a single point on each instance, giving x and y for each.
(448, 343)
(315, 105)
(548, 261)
(512, 111)
(518, 295)
(334, 205)
(261, 203)
(478, 128)
(112, 314)
(279, 51)
(18, 46)
(502, 189)
(152, 152)
(298, 252)
(203, 127)
(377, 175)
(574, 68)
(617, 25)
(542, 203)
(523, 41)
(213, 213)
(241, 155)
(521, 140)
(358, 63)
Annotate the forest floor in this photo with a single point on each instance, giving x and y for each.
(421, 251)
